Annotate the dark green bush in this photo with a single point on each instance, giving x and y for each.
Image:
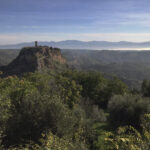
(127, 110)
(96, 87)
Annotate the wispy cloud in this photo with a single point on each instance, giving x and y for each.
(114, 20)
(141, 19)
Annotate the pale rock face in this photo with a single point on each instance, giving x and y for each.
(33, 59)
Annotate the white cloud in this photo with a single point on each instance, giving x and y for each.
(142, 19)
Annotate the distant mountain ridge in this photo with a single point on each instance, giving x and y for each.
(75, 44)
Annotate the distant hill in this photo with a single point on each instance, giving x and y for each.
(6, 56)
(94, 45)
(107, 56)
(31, 59)
(130, 66)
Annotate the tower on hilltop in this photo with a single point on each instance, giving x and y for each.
(36, 44)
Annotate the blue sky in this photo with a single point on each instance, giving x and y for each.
(55, 20)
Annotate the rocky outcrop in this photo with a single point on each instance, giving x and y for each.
(33, 59)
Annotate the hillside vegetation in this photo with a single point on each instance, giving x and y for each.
(70, 109)
(130, 66)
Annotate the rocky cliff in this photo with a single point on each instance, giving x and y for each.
(33, 59)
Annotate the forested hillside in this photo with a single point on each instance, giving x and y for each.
(70, 109)
(130, 66)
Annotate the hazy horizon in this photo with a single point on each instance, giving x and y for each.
(86, 45)
(32, 41)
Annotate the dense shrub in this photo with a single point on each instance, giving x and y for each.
(145, 88)
(96, 87)
(128, 138)
(127, 110)
(93, 112)
(37, 103)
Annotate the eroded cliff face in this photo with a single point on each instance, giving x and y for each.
(33, 59)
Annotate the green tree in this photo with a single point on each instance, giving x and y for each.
(145, 88)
